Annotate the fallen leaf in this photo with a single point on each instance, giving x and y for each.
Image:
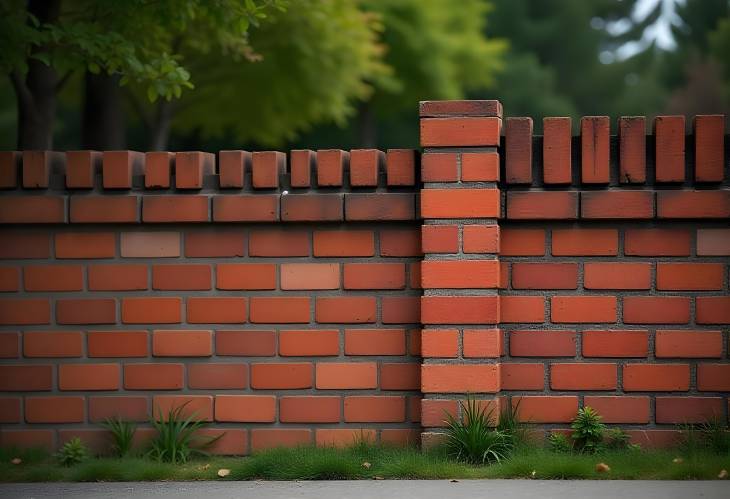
(16, 460)
(603, 468)
(533, 474)
(723, 474)
(376, 477)
(366, 465)
(223, 472)
(677, 460)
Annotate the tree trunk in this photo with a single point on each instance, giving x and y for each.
(103, 125)
(367, 127)
(36, 94)
(161, 125)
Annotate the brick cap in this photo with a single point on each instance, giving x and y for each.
(440, 108)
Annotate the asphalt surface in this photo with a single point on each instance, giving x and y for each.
(405, 489)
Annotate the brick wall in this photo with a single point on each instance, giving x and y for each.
(323, 296)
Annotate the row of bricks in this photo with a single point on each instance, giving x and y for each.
(576, 376)
(220, 408)
(171, 376)
(480, 343)
(230, 441)
(629, 409)
(217, 243)
(203, 208)
(595, 161)
(213, 310)
(191, 343)
(199, 277)
(264, 168)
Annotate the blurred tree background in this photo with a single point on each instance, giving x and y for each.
(256, 74)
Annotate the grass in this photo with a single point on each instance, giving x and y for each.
(309, 463)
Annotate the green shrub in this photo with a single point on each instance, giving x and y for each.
(587, 430)
(73, 452)
(617, 439)
(558, 442)
(122, 435)
(474, 439)
(176, 441)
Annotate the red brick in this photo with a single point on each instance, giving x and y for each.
(594, 132)
(157, 169)
(522, 309)
(713, 242)
(546, 409)
(85, 245)
(88, 377)
(683, 410)
(280, 310)
(462, 131)
(521, 242)
(231, 442)
(399, 242)
(330, 166)
(713, 310)
(232, 166)
(302, 164)
(347, 376)
(249, 276)
(343, 437)
(617, 275)
(536, 343)
(281, 376)
(434, 411)
(53, 278)
(52, 344)
(656, 377)
(523, 376)
(542, 205)
(460, 309)
(309, 276)
(575, 309)
(309, 409)
(656, 310)
(182, 343)
(181, 277)
(9, 168)
(518, 150)
(118, 167)
(216, 310)
(191, 167)
(460, 203)
(25, 245)
(657, 242)
(37, 168)
(246, 208)
(693, 204)
(440, 343)
(669, 139)
(245, 408)
(28, 439)
(400, 167)
(10, 409)
(276, 243)
(400, 437)
(545, 275)
(87, 311)
(713, 377)
(344, 243)
(26, 378)
(267, 166)
(709, 147)
(81, 168)
(611, 343)
(375, 342)
(585, 242)
(481, 239)
(400, 376)
(214, 243)
(619, 409)
(617, 204)
(151, 310)
(33, 209)
(482, 343)
(460, 378)
(153, 376)
(350, 309)
(308, 343)
(365, 165)
(262, 439)
(175, 208)
(556, 150)
(54, 409)
(689, 276)
(440, 238)
(688, 344)
(380, 206)
(118, 343)
(117, 277)
(479, 167)
(10, 278)
(461, 274)
(583, 376)
(460, 108)
(217, 376)
(150, 244)
(439, 167)
(197, 407)
(632, 149)
(25, 311)
(104, 209)
(245, 343)
(9, 345)
(374, 409)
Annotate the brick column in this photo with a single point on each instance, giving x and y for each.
(460, 204)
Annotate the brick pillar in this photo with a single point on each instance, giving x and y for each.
(460, 204)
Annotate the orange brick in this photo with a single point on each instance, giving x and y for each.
(693, 204)
(617, 205)
(157, 168)
(546, 409)
(585, 242)
(688, 344)
(400, 167)
(365, 166)
(309, 343)
(482, 343)
(683, 410)
(249, 276)
(217, 376)
(542, 205)
(53, 278)
(85, 245)
(330, 165)
(199, 407)
(615, 343)
(360, 309)
(52, 344)
(434, 411)
(522, 309)
(461, 131)
(657, 242)
(117, 277)
(310, 276)
(575, 309)
(344, 243)
(375, 342)
(459, 309)
(545, 343)
(523, 376)
(302, 164)
(262, 439)
(246, 208)
(439, 167)
(343, 437)
(440, 238)
(617, 275)
(347, 376)
(460, 274)
(181, 277)
(88, 377)
(656, 310)
(151, 310)
(117, 343)
(620, 409)
(481, 239)
(545, 275)
(689, 276)
(273, 310)
(245, 343)
(522, 242)
(375, 409)
(460, 203)
(245, 408)
(182, 343)
(581, 376)
(460, 378)
(309, 409)
(656, 377)
(713, 310)
(397, 242)
(480, 167)
(440, 343)
(216, 310)
(153, 376)
(281, 376)
(374, 276)
(266, 168)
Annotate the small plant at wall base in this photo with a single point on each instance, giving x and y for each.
(176, 441)
(587, 430)
(73, 452)
(122, 433)
(473, 438)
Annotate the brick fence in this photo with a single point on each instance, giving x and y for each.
(333, 295)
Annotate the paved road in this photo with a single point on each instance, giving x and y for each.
(411, 489)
